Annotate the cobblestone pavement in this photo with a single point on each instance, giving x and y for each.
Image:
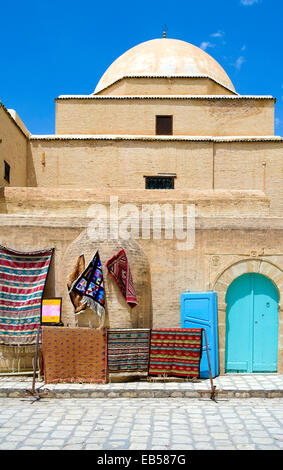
(147, 424)
(228, 386)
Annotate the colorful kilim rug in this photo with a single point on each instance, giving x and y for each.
(128, 350)
(175, 351)
(119, 269)
(91, 287)
(22, 280)
(74, 354)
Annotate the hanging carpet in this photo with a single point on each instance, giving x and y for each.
(128, 350)
(76, 299)
(119, 269)
(90, 286)
(74, 354)
(22, 281)
(175, 351)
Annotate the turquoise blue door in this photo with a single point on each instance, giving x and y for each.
(251, 325)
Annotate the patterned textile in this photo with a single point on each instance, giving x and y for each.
(22, 280)
(128, 350)
(76, 299)
(175, 351)
(119, 269)
(74, 354)
(90, 286)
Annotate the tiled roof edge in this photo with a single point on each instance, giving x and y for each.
(165, 97)
(158, 138)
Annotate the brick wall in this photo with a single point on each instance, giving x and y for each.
(133, 116)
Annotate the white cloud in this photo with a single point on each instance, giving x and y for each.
(205, 45)
(239, 62)
(249, 2)
(243, 48)
(219, 34)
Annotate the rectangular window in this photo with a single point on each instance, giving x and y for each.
(7, 171)
(164, 125)
(159, 182)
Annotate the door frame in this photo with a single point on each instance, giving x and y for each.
(251, 279)
(221, 277)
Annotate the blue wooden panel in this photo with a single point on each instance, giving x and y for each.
(238, 318)
(199, 310)
(265, 344)
(251, 324)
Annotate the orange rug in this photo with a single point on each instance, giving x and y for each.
(74, 354)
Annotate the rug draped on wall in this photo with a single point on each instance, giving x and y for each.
(22, 280)
(89, 286)
(119, 269)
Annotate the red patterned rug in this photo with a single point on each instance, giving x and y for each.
(119, 269)
(175, 351)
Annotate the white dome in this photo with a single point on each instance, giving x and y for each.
(164, 57)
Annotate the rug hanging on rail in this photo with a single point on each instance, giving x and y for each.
(90, 286)
(74, 354)
(175, 351)
(22, 281)
(119, 269)
(128, 350)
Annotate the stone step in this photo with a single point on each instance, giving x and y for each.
(232, 386)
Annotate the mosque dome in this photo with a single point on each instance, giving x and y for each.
(164, 57)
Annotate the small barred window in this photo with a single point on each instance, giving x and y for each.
(159, 182)
(7, 169)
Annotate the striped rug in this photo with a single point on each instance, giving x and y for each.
(22, 280)
(128, 350)
(175, 351)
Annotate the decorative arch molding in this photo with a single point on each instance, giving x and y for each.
(223, 281)
(245, 266)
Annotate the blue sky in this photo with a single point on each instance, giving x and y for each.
(58, 47)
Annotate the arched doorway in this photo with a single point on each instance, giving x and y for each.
(251, 324)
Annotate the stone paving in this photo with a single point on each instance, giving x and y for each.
(227, 386)
(146, 424)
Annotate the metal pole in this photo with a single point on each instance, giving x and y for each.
(36, 394)
(213, 387)
(35, 362)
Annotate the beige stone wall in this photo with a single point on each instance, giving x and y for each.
(107, 164)
(76, 202)
(251, 166)
(135, 116)
(13, 150)
(19, 122)
(237, 166)
(165, 86)
(219, 244)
